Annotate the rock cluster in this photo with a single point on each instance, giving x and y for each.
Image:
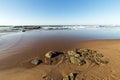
(81, 56)
(77, 57)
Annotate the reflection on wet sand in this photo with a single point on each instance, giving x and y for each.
(15, 48)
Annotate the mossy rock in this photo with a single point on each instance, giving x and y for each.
(78, 57)
(71, 53)
(75, 60)
(99, 55)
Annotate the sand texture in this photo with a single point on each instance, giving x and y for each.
(16, 52)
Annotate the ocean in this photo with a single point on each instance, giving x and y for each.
(82, 32)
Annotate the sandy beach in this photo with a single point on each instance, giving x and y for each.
(18, 49)
(59, 39)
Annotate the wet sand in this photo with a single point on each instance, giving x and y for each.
(17, 49)
(20, 47)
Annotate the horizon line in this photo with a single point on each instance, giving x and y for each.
(60, 24)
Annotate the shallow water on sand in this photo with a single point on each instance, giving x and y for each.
(18, 47)
(54, 38)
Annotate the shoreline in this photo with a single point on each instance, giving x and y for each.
(21, 48)
(15, 55)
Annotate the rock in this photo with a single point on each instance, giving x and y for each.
(77, 55)
(48, 61)
(105, 61)
(36, 61)
(23, 30)
(53, 57)
(93, 51)
(75, 60)
(80, 56)
(49, 54)
(66, 78)
(71, 76)
(83, 54)
(71, 53)
(82, 50)
(96, 58)
(82, 62)
(97, 61)
(100, 55)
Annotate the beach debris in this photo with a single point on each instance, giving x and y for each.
(71, 76)
(36, 61)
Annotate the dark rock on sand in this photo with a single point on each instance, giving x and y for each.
(53, 57)
(77, 57)
(71, 76)
(36, 61)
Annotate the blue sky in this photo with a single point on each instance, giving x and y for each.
(40, 12)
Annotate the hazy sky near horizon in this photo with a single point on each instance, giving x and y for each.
(40, 12)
